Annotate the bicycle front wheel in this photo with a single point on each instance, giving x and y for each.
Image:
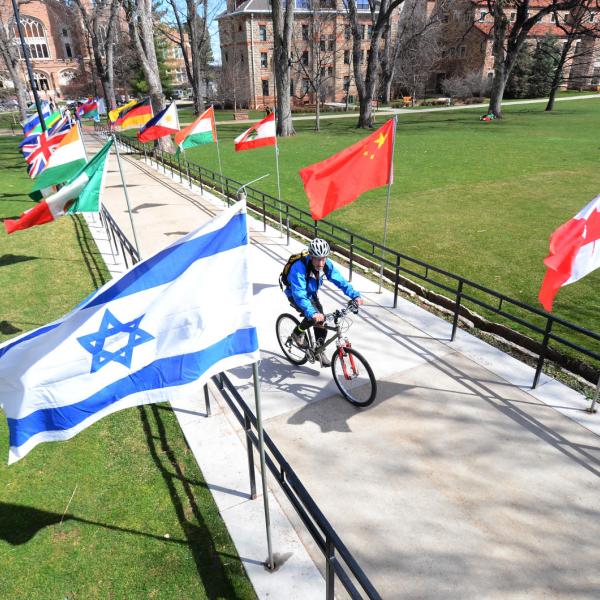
(354, 377)
(284, 327)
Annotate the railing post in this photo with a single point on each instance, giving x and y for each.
(180, 173)
(316, 229)
(264, 213)
(542, 356)
(351, 257)
(592, 408)
(287, 225)
(456, 309)
(187, 168)
(396, 282)
(249, 449)
(329, 570)
(207, 400)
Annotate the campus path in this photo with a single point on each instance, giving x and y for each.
(458, 482)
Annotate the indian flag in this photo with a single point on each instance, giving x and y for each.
(80, 194)
(64, 162)
(201, 131)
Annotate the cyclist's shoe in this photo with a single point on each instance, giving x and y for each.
(299, 339)
(325, 360)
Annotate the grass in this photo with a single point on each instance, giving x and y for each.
(142, 522)
(478, 199)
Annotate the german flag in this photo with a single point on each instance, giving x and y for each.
(136, 116)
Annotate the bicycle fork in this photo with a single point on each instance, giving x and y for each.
(345, 358)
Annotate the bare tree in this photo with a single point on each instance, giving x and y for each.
(366, 82)
(512, 23)
(316, 46)
(282, 45)
(581, 26)
(10, 54)
(100, 20)
(230, 70)
(192, 23)
(140, 17)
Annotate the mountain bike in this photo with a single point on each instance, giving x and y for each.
(351, 371)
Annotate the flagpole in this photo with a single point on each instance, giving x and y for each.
(81, 138)
(278, 187)
(218, 150)
(263, 471)
(387, 203)
(137, 247)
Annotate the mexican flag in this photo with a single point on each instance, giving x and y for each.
(66, 160)
(261, 134)
(80, 194)
(201, 131)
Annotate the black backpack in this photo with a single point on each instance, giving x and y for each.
(283, 278)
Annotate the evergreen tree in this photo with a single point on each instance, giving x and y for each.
(545, 58)
(138, 82)
(517, 85)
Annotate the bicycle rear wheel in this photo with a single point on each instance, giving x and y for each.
(284, 327)
(354, 377)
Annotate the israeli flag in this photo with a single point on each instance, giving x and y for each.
(179, 316)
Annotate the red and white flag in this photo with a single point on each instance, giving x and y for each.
(261, 134)
(574, 252)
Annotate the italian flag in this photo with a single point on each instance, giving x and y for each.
(64, 162)
(261, 134)
(201, 131)
(80, 194)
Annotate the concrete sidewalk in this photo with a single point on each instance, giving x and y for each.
(458, 481)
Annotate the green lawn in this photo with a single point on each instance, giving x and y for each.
(479, 199)
(141, 523)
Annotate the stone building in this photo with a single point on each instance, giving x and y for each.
(321, 52)
(54, 35)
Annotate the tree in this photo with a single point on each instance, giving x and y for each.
(509, 35)
(100, 20)
(283, 21)
(230, 70)
(366, 82)
(543, 63)
(517, 85)
(10, 55)
(138, 82)
(140, 18)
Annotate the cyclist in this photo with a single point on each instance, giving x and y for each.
(304, 281)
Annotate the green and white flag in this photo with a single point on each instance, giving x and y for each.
(201, 131)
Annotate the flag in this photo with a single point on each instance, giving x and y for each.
(343, 177)
(80, 194)
(135, 116)
(201, 131)
(66, 160)
(261, 134)
(170, 320)
(63, 124)
(29, 123)
(48, 121)
(574, 252)
(38, 150)
(164, 123)
(89, 108)
(113, 115)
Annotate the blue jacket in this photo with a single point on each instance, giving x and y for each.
(304, 283)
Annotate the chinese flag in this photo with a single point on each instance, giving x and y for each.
(343, 177)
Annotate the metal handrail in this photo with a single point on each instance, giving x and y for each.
(322, 532)
(402, 270)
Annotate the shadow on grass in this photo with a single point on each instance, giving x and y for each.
(11, 259)
(197, 532)
(89, 252)
(7, 328)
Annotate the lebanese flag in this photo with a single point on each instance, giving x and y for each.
(91, 106)
(261, 134)
(343, 177)
(201, 131)
(164, 123)
(574, 252)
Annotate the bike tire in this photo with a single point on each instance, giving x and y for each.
(284, 326)
(354, 377)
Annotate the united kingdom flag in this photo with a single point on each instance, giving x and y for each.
(38, 148)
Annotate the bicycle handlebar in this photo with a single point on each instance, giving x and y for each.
(352, 307)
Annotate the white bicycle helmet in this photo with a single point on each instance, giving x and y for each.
(319, 248)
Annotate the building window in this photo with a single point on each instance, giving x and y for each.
(265, 87)
(305, 86)
(347, 32)
(264, 61)
(461, 51)
(35, 38)
(331, 44)
(362, 56)
(303, 4)
(305, 58)
(322, 45)
(291, 87)
(41, 80)
(262, 33)
(65, 77)
(363, 30)
(330, 71)
(68, 50)
(240, 27)
(553, 17)
(346, 83)
(370, 31)
(346, 57)
(513, 16)
(482, 15)
(305, 32)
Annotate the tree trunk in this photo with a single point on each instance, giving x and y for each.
(318, 114)
(282, 41)
(387, 65)
(558, 72)
(499, 53)
(11, 59)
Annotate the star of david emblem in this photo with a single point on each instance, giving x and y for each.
(111, 327)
